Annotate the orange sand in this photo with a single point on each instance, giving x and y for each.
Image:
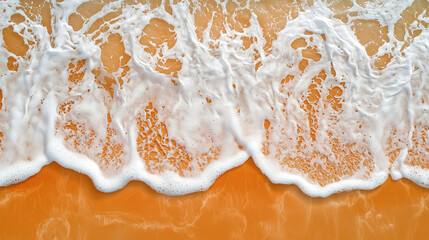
(242, 204)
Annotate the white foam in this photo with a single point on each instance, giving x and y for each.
(380, 101)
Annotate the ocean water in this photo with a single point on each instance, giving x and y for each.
(330, 96)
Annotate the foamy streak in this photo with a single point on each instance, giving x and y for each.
(380, 101)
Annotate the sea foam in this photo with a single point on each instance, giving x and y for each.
(330, 96)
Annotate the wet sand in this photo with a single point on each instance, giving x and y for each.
(241, 204)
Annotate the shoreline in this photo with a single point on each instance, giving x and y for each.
(65, 204)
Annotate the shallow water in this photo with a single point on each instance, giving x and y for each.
(241, 204)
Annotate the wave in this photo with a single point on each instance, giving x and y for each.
(330, 96)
